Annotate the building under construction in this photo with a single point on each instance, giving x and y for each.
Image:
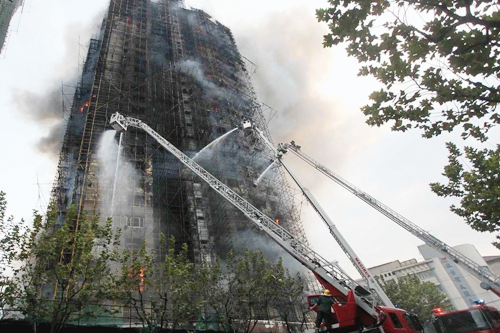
(7, 10)
(179, 71)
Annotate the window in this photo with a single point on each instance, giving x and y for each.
(413, 321)
(465, 321)
(135, 222)
(395, 320)
(139, 200)
(493, 316)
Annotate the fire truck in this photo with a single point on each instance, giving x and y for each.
(477, 319)
(356, 308)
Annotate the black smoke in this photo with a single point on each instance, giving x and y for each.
(45, 108)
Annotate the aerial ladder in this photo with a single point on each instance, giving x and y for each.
(369, 279)
(489, 281)
(356, 309)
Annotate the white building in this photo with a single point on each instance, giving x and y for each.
(461, 287)
(494, 263)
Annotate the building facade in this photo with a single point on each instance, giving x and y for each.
(460, 287)
(494, 263)
(180, 72)
(7, 10)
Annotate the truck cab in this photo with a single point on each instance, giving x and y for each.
(477, 319)
(345, 317)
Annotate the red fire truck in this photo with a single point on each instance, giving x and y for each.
(479, 319)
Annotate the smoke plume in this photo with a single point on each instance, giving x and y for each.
(45, 107)
(46, 110)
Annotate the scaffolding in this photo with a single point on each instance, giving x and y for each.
(180, 71)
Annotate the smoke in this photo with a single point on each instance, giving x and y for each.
(255, 241)
(195, 70)
(315, 91)
(117, 178)
(52, 142)
(44, 107)
(304, 82)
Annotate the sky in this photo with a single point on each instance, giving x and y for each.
(315, 96)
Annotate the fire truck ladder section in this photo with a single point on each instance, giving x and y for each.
(344, 245)
(329, 272)
(489, 281)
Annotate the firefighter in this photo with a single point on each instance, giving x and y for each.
(324, 309)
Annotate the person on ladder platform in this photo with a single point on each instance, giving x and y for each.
(324, 310)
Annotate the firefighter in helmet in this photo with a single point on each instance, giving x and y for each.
(324, 309)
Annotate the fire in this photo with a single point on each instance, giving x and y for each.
(85, 105)
(142, 274)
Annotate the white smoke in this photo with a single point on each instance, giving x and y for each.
(251, 240)
(195, 69)
(117, 178)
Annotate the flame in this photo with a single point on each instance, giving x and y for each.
(142, 274)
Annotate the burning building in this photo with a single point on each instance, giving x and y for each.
(7, 10)
(179, 71)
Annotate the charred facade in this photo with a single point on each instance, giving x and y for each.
(180, 72)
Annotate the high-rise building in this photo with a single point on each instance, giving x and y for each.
(180, 72)
(7, 10)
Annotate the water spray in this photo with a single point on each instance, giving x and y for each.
(116, 174)
(214, 142)
(256, 183)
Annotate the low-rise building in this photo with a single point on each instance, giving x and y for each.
(461, 288)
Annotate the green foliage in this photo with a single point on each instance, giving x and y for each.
(417, 297)
(160, 290)
(58, 268)
(289, 297)
(213, 289)
(478, 188)
(246, 288)
(438, 62)
(9, 233)
(444, 55)
(62, 270)
(251, 282)
(258, 285)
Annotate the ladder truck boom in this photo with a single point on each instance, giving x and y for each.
(352, 295)
(344, 245)
(489, 281)
(326, 270)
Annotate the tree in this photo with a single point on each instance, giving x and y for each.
(251, 285)
(415, 296)
(60, 268)
(10, 232)
(218, 303)
(160, 290)
(289, 296)
(438, 62)
(478, 188)
(246, 289)
(138, 280)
